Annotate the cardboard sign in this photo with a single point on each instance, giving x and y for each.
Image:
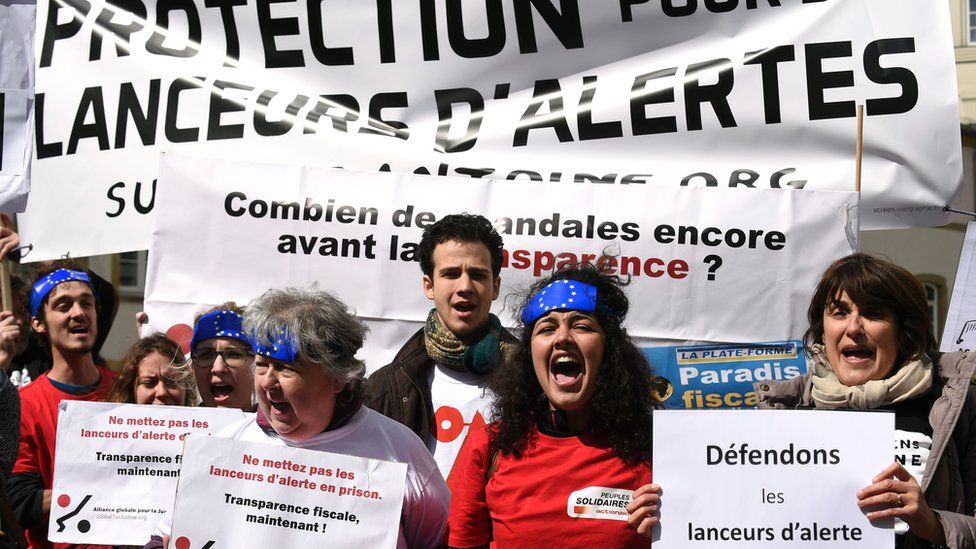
(768, 479)
(261, 495)
(117, 465)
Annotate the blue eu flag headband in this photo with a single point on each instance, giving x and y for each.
(281, 345)
(219, 323)
(44, 286)
(563, 294)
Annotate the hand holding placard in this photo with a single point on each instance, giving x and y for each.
(117, 467)
(896, 493)
(643, 508)
(769, 479)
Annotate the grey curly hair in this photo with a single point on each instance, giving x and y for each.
(325, 329)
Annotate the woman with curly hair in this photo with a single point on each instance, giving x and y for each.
(154, 371)
(571, 437)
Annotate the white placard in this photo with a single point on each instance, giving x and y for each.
(630, 93)
(768, 479)
(261, 495)
(14, 106)
(959, 333)
(117, 465)
(17, 22)
(691, 253)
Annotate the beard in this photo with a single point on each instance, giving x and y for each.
(69, 345)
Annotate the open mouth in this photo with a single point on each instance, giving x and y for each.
(857, 353)
(221, 391)
(566, 371)
(463, 307)
(279, 407)
(78, 330)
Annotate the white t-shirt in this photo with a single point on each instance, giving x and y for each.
(371, 435)
(460, 402)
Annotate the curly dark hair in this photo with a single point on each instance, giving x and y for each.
(463, 227)
(876, 286)
(624, 395)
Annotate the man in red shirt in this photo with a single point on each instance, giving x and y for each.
(63, 313)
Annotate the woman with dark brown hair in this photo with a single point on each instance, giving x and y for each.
(872, 347)
(571, 438)
(154, 371)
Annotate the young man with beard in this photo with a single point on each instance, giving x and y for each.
(436, 383)
(63, 313)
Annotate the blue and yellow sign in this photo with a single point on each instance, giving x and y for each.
(721, 376)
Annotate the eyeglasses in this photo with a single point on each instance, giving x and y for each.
(234, 357)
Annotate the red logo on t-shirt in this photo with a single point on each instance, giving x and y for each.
(448, 423)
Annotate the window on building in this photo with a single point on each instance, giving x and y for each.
(132, 272)
(972, 22)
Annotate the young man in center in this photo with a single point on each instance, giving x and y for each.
(63, 313)
(436, 383)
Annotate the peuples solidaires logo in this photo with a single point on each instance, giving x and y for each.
(598, 502)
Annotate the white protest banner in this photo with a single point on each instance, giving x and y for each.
(768, 479)
(703, 265)
(16, 102)
(959, 333)
(627, 93)
(262, 495)
(116, 468)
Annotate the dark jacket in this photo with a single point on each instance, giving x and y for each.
(9, 440)
(401, 391)
(949, 481)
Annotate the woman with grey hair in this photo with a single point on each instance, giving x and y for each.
(309, 388)
(309, 332)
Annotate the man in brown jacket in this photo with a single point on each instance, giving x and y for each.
(436, 383)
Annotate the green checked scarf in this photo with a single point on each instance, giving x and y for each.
(479, 357)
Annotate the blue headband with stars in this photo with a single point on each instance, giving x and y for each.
(219, 323)
(281, 346)
(44, 286)
(562, 294)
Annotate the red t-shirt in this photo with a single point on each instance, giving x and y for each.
(528, 502)
(38, 429)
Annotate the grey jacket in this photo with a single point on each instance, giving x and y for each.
(949, 481)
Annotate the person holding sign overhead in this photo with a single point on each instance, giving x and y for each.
(872, 347)
(571, 440)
